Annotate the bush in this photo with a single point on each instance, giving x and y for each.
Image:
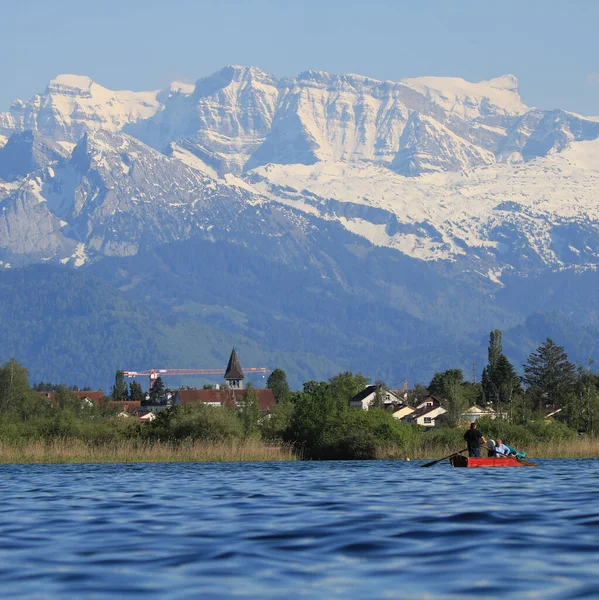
(524, 434)
(196, 422)
(351, 435)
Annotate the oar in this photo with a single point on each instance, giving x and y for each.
(430, 464)
(525, 462)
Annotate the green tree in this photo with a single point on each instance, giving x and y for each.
(119, 389)
(582, 410)
(470, 392)
(549, 376)
(277, 421)
(315, 413)
(66, 400)
(448, 386)
(380, 394)
(419, 394)
(277, 382)
(499, 380)
(16, 396)
(249, 411)
(345, 386)
(157, 389)
(135, 391)
(507, 383)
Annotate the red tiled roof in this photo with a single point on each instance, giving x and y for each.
(95, 397)
(227, 397)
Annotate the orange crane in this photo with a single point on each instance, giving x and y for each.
(153, 374)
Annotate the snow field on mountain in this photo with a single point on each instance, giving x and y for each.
(457, 95)
(463, 207)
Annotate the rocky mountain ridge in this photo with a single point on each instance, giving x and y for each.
(322, 211)
(447, 161)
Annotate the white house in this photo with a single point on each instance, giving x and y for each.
(402, 412)
(475, 412)
(428, 403)
(366, 397)
(427, 416)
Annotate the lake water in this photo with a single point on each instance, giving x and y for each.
(286, 530)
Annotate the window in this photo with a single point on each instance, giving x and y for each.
(428, 420)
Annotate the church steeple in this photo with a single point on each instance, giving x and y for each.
(234, 374)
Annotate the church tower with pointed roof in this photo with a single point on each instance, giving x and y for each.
(234, 374)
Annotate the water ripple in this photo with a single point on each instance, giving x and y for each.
(334, 530)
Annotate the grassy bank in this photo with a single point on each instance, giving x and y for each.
(65, 451)
(577, 448)
(62, 451)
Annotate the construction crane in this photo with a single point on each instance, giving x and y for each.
(154, 374)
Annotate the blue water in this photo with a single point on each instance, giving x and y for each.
(286, 530)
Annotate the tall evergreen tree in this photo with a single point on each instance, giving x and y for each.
(507, 383)
(499, 380)
(277, 382)
(135, 391)
(157, 389)
(119, 389)
(549, 376)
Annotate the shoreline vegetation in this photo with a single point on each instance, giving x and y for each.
(74, 451)
(550, 412)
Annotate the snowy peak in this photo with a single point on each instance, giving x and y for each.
(471, 100)
(71, 85)
(234, 74)
(223, 121)
(74, 104)
(242, 117)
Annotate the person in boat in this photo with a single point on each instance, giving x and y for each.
(501, 450)
(515, 453)
(473, 438)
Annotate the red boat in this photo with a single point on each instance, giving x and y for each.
(463, 461)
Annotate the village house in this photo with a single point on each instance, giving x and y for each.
(476, 412)
(427, 416)
(426, 413)
(403, 411)
(366, 397)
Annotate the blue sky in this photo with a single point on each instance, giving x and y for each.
(552, 46)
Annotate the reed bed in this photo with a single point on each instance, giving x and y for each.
(62, 451)
(578, 448)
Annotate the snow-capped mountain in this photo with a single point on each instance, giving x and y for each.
(323, 211)
(74, 104)
(435, 168)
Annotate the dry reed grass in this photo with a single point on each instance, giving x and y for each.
(578, 448)
(77, 451)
